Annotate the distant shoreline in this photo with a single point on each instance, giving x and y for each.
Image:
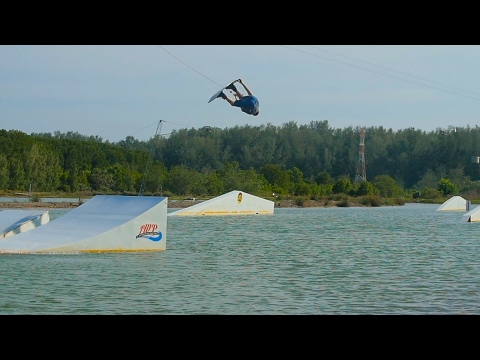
(180, 204)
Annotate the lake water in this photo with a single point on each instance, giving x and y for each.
(407, 259)
(27, 199)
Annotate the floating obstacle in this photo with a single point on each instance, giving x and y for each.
(455, 203)
(232, 203)
(105, 223)
(472, 215)
(14, 222)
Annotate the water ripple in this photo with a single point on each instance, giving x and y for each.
(390, 260)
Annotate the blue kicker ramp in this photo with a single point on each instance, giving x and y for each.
(105, 223)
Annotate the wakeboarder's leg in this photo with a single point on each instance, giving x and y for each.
(223, 96)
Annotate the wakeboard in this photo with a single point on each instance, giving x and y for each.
(219, 91)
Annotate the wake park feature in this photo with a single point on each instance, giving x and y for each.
(232, 203)
(105, 223)
(455, 203)
(14, 222)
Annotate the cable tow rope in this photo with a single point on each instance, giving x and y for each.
(198, 72)
(377, 72)
(384, 67)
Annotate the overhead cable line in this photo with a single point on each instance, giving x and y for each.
(136, 132)
(149, 160)
(394, 77)
(156, 122)
(384, 67)
(198, 72)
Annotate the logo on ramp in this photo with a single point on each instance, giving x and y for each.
(148, 231)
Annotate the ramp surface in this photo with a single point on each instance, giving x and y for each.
(472, 216)
(233, 203)
(455, 203)
(13, 222)
(105, 223)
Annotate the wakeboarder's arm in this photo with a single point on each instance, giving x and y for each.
(245, 87)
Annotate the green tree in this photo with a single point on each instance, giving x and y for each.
(428, 180)
(17, 179)
(278, 178)
(301, 188)
(214, 184)
(342, 186)
(387, 186)
(252, 182)
(365, 188)
(82, 180)
(446, 187)
(181, 181)
(3, 172)
(298, 186)
(101, 180)
(429, 193)
(324, 178)
(229, 174)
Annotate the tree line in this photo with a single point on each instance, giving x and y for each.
(309, 160)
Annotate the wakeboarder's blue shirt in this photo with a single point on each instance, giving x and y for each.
(249, 104)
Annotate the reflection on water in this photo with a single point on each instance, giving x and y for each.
(391, 260)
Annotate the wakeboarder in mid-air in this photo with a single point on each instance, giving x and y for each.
(247, 103)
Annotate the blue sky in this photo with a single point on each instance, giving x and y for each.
(115, 91)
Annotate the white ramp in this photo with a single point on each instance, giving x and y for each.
(472, 215)
(233, 203)
(13, 222)
(105, 223)
(455, 203)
